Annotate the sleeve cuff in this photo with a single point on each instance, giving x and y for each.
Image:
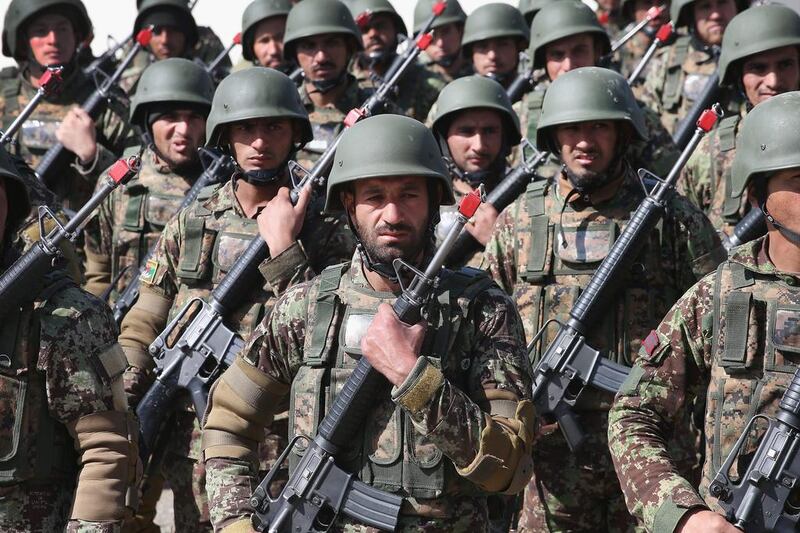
(669, 515)
(279, 271)
(416, 392)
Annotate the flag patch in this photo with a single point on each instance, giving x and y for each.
(150, 271)
(651, 342)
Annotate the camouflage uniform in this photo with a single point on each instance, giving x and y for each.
(630, 54)
(129, 223)
(431, 66)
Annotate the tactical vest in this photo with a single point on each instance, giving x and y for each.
(535, 100)
(33, 446)
(673, 83)
(723, 138)
(554, 275)
(755, 341)
(389, 454)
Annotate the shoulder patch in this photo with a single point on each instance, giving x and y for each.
(651, 342)
(151, 268)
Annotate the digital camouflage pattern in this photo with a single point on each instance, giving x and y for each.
(628, 57)
(225, 235)
(38, 133)
(128, 224)
(433, 67)
(51, 375)
(527, 257)
(415, 93)
(485, 353)
(740, 362)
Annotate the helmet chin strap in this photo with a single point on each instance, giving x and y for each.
(502, 79)
(265, 176)
(790, 235)
(496, 169)
(449, 60)
(325, 86)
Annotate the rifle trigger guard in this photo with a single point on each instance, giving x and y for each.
(45, 213)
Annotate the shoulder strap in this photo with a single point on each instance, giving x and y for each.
(189, 265)
(672, 84)
(539, 229)
(535, 101)
(136, 194)
(11, 89)
(727, 132)
(327, 302)
(734, 305)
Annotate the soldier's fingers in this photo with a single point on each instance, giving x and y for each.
(303, 198)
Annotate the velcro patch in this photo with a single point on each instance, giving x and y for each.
(150, 271)
(651, 342)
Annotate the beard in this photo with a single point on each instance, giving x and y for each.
(408, 250)
(183, 166)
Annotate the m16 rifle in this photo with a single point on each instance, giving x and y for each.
(663, 35)
(318, 487)
(58, 157)
(217, 168)
(106, 58)
(752, 226)
(523, 83)
(763, 497)
(211, 68)
(652, 14)
(684, 129)
(569, 364)
(49, 84)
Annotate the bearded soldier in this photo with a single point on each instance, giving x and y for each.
(457, 406)
(45, 33)
(380, 27)
(760, 58)
(68, 453)
(444, 55)
(263, 27)
(257, 117)
(546, 247)
(732, 338)
(172, 103)
(476, 129)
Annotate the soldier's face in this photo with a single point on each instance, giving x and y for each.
(390, 215)
(569, 53)
(323, 57)
(711, 17)
(640, 8)
(587, 148)
(475, 138)
(783, 197)
(771, 73)
(378, 33)
(177, 135)
(446, 41)
(167, 41)
(51, 39)
(268, 41)
(495, 56)
(261, 143)
(609, 5)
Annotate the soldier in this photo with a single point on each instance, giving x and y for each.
(494, 35)
(42, 33)
(609, 14)
(476, 129)
(380, 26)
(761, 58)
(732, 338)
(444, 55)
(566, 35)
(263, 27)
(529, 8)
(322, 37)
(257, 117)
(449, 411)
(679, 72)
(172, 104)
(632, 13)
(67, 441)
(545, 248)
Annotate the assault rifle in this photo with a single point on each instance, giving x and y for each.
(652, 14)
(58, 157)
(217, 168)
(212, 67)
(684, 130)
(523, 83)
(761, 497)
(513, 184)
(663, 35)
(107, 57)
(752, 226)
(16, 283)
(297, 75)
(569, 364)
(49, 83)
(318, 487)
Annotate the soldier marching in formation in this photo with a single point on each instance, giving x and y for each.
(347, 206)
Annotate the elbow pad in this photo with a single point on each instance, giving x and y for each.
(241, 404)
(142, 325)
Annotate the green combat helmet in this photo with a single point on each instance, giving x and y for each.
(561, 19)
(753, 31)
(529, 8)
(375, 7)
(589, 93)
(19, 12)
(386, 146)
(169, 82)
(255, 12)
(491, 21)
(151, 12)
(680, 12)
(453, 14)
(19, 204)
(315, 17)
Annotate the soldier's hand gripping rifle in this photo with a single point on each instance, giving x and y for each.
(318, 488)
(58, 157)
(569, 364)
(509, 189)
(683, 131)
(764, 496)
(211, 68)
(663, 35)
(50, 83)
(18, 283)
(217, 168)
(752, 226)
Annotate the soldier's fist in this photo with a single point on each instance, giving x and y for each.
(77, 134)
(280, 222)
(703, 521)
(482, 224)
(392, 347)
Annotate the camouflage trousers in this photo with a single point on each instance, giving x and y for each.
(26, 508)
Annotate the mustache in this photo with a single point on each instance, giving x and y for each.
(323, 64)
(391, 228)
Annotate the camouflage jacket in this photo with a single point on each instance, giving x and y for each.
(485, 353)
(630, 54)
(528, 258)
(732, 339)
(429, 65)
(38, 133)
(705, 180)
(416, 91)
(129, 222)
(59, 359)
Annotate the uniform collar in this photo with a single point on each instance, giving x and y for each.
(754, 256)
(347, 101)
